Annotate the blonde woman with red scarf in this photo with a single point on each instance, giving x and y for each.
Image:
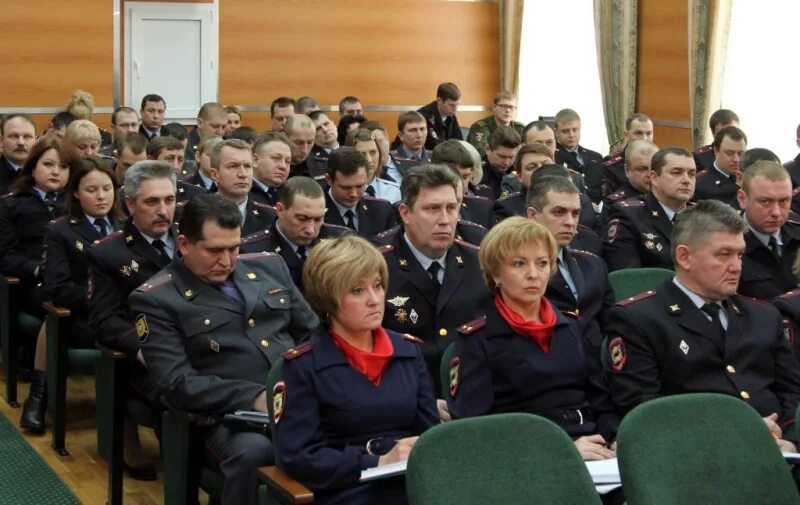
(524, 355)
(355, 396)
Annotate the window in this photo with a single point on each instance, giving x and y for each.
(760, 79)
(558, 67)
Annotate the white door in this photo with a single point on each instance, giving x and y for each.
(171, 49)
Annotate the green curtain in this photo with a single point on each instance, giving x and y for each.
(616, 33)
(709, 25)
(510, 36)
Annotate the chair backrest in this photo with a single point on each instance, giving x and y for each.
(630, 282)
(272, 379)
(700, 448)
(444, 370)
(503, 458)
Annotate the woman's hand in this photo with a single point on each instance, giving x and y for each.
(400, 451)
(444, 411)
(593, 448)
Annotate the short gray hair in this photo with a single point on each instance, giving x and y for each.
(216, 151)
(145, 170)
(298, 122)
(639, 148)
(695, 225)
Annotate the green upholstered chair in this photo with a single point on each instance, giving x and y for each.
(15, 328)
(702, 448)
(444, 370)
(280, 487)
(63, 360)
(630, 282)
(503, 458)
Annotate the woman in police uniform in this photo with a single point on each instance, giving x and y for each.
(523, 355)
(355, 396)
(92, 214)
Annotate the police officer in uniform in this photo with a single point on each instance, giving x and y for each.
(302, 134)
(695, 334)
(638, 233)
(372, 397)
(704, 156)
(504, 108)
(772, 239)
(298, 228)
(412, 130)
(720, 181)
(441, 116)
(579, 285)
(637, 127)
(347, 203)
(211, 325)
(569, 152)
(638, 155)
(474, 208)
(170, 150)
(434, 280)
(212, 119)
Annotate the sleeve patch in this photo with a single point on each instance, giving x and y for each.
(278, 401)
(617, 354)
(613, 231)
(142, 330)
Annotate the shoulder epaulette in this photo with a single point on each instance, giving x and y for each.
(472, 326)
(612, 161)
(510, 195)
(386, 249)
(616, 154)
(701, 173)
(412, 338)
(632, 202)
(751, 299)
(61, 219)
(259, 255)
(336, 227)
(389, 232)
(467, 244)
(634, 299)
(255, 237)
(373, 198)
(107, 238)
(470, 223)
(796, 191)
(584, 253)
(180, 205)
(6, 195)
(617, 195)
(475, 197)
(297, 351)
(155, 281)
(574, 314)
(264, 206)
(703, 149)
(790, 294)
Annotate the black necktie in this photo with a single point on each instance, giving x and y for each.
(712, 309)
(774, 247)
(102, 226)
(161, 247)
(349, 222)
(301, 253)
(50, 197)
(433, 271)
(370, 190)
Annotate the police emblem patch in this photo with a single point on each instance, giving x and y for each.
(455, 368)
(278, 401)
(613, 230)
(617, 353)
(142, 330)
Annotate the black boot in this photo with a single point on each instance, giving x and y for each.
(35, 405)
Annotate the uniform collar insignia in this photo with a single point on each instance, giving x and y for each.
(398, 301)
(675, 309)
(129, 239)
(459, 260)
(655, 213)
(79, 245)
(403, 262)
(251, 276)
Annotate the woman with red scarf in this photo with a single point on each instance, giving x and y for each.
(355, 396)
(523, 355)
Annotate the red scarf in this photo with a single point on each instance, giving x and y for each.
(539, 331)
(372, 363)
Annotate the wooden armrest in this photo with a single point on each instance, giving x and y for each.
(56, 311)
(285, 485)
(11, 281)
(107, 351)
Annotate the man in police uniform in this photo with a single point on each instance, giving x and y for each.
(441, 115)
(637, 127)
(18, 135)
(232, 172)
(501, 151)
(434, 280)
(412, 130)
(301, 133)
(720, 181)
(347, 205)
(325, 136)
(124, 121)
(152, 111)
(170, 150)
(272, 157)
(695, 334)
(299, 227)
(639, 229)
(570, 152)
(580, 284)
(638, 156)
(772, 240)
(504, 108)
(211, 325)
(280, 110)
(474, 208)
(704, 156)
(212, 119)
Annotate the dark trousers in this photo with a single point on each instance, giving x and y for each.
(238, 454)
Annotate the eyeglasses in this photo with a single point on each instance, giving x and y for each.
(506, 106)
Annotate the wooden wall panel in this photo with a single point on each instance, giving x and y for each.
(665, 136)
(394, 52)
(663, 67)
(52, 47)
